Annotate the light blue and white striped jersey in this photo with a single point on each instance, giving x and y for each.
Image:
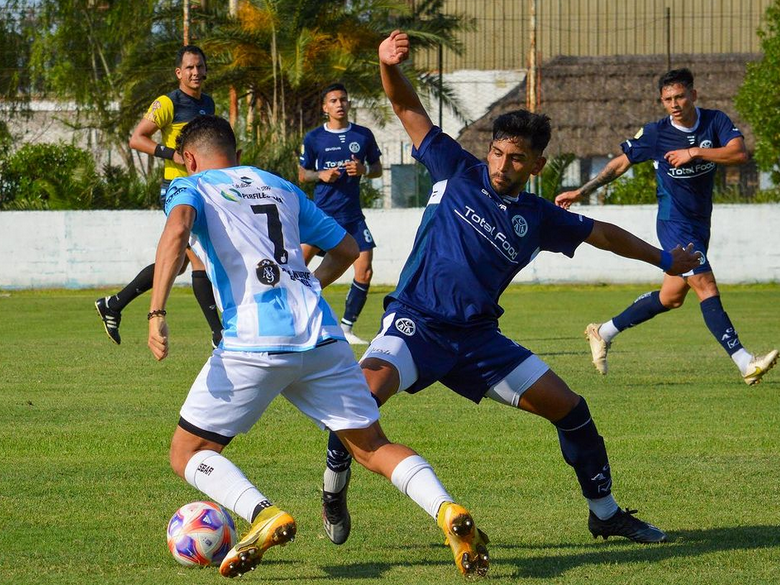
(248, 231)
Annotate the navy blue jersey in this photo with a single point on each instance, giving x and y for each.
(471, 242)
(684, 194)
(324, 149)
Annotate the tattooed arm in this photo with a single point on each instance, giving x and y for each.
(615, 168)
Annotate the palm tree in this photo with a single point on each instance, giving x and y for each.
(282, 52)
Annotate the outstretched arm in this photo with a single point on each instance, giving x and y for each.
(406, 103)
(167, 264)
(615, 168)
(607, 236)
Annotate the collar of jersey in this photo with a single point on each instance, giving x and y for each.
(685, 129)
(347, 129)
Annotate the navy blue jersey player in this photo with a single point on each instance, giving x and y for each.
(335, 156)
(478, 231)
(685, 148)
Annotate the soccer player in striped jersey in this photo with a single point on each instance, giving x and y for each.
(168, 114)
(685, 148)
(280, 338)
(479, 229)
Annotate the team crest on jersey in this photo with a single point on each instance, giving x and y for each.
(706, 144)
(405, 326)
(354, 147)
(520, 225)
(267, 272)
(231, 195)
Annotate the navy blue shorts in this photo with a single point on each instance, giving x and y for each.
(674, 233)
(467, 360)
(359, 230)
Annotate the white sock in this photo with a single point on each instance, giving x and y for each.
(742, 358)
(608, 331)
(604, 508)
(218, 478)
(415, 478)
(334, 481)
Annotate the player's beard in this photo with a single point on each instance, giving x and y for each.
(506, 187)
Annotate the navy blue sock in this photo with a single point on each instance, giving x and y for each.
(356, 300)
(204, 294)
(338, 458)
(583, 449)
(138, 286)
(643, 309)
(719, 324)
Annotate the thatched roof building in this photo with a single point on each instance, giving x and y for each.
(595, 103)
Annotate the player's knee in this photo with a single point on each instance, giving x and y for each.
(178, 459)
(674, 303)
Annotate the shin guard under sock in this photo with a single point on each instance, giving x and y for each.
(583, 449)
(642, 309)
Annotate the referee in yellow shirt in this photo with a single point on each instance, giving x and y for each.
(168, 114)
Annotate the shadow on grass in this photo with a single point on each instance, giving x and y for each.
(556, 562)
(683, 543)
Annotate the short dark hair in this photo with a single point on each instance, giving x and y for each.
(523, 124)
(189, 49)
(682, 76)
(330, 88)
(213, 131)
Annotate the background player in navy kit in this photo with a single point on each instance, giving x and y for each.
(168, 114)
(336, 155)
(478, 231)
(685, 148)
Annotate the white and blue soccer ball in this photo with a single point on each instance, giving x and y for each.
(201, 534)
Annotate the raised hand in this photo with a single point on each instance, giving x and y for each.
(394, 49)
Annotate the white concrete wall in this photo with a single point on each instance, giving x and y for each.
(80, 249)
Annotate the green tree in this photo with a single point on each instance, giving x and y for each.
(79, 53)
(758, 100)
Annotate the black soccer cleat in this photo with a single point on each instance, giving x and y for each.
(624, 523)
(335, 515)
(110, 319)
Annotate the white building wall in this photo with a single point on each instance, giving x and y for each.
(81, 249)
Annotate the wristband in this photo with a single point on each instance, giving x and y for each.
(165, 152)
(156, 313)
(666, 260)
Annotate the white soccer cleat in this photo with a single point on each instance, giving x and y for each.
(758, 366)
(351, 338)
(598, 347)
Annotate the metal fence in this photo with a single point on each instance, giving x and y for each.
(599, 27)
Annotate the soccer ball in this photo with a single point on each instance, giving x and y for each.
(201, 533)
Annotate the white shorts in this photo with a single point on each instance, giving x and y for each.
(234, 389)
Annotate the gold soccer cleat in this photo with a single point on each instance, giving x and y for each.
(598, 347)
(468, 543)
(758, 366)
(278, 529)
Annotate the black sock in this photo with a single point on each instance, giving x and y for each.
(338, 458)
(583, 449)
(356, 300)
(138, 286)
(201, 287)
(719, 324)
(643, 309)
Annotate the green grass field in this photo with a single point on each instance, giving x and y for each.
(86, 490)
